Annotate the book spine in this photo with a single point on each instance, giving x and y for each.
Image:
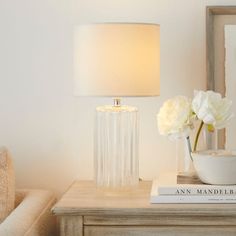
(200, 191)
(191, 199)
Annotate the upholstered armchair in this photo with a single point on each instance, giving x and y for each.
(31, 216)
(24, 212)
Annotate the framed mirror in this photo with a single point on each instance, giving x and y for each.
(221, 63)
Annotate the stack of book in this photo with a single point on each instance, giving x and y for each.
(172, 188)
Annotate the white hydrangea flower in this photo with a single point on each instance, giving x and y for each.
(212, 109)
(174, 117)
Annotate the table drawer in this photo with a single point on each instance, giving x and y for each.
(161, 230)
(155, 220)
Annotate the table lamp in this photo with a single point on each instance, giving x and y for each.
(116, 60)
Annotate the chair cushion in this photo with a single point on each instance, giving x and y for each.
(7, 184)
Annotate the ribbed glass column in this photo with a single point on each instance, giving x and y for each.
(116, 146)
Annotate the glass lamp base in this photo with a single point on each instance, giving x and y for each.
(116, 146)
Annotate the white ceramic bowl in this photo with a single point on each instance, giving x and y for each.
(215, 167)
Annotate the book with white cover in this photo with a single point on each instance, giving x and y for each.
(171, 181)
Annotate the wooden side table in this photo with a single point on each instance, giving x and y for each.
(85, 210)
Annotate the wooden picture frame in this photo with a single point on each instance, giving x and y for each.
(216, 18)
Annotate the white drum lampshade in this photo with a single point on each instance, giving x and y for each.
(116, 59)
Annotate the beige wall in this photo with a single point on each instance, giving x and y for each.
(50, 132)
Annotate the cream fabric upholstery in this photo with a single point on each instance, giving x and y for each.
(7, 184)
(32, 216)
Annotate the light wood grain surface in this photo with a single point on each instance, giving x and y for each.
(85, 199)
(71, 225)
(85, 210)
(159, 231)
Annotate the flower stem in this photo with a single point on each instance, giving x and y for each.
(197, 136)
(189, 147)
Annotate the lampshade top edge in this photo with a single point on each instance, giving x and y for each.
(117, 23)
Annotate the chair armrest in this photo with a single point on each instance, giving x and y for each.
(32, 215)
